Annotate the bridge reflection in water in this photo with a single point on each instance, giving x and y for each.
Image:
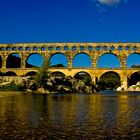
(70, 51)
(73, 116)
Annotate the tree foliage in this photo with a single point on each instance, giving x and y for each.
(43, 74)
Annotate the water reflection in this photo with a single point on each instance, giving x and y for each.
(89, 116)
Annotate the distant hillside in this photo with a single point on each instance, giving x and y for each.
(58, 65)
(135, 66)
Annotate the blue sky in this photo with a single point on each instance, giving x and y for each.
(69, 21)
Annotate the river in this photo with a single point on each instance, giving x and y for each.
(106, 115)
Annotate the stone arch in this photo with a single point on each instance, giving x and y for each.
(31, 73)
(58, 60)
(82, 72)
(34, 60)
(90, 48)
(84, 76)
(43, 48)
(27, 48)
(66, 48)
(82, 60)
(13, 61)
(108, 60)
(10, 73)
(57, 74)
(109, 80)
(133, 60)
(134, 78)
(35, 48)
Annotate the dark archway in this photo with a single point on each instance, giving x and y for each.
(10, 73)
(57, 74)
(13, 61)
(31, 73)
(34, 60)
(81, 60)
(58, 60)
(108, 60)
(84, 76)
(109, 80)
(133, 60)
(134, 78)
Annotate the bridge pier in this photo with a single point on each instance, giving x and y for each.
(4, 63)
(69, 62)
(94, 80)
(124, 83)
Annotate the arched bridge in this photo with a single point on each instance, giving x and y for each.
(70, 50)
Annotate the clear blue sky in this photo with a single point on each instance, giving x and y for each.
(69, 21)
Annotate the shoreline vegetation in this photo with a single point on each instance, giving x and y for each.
(44, 82)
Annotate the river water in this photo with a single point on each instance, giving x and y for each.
(70, 116)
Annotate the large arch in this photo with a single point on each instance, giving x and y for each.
(81, 60)
(57, 74)
(34, 60)
(58, 60)
(84, 76)
(109, 80)
(10, 73)
(134, 78)
(133, 60)
(108, 60)
(13, 61)
(31, 73)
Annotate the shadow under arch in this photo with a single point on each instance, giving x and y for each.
(134, 78)
(10, 73)
(84, 76)
(13, 61)
(81, 60)
(34, 60)
(108, 60)
(133, 60)
(58, 59)
(109, 80)
(31, 73)
(57, 74)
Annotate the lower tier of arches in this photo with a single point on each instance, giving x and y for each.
(126, 77)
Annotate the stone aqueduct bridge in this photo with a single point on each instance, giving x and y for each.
(70, 50)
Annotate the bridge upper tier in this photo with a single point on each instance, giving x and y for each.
(70, 50)
(79, 46)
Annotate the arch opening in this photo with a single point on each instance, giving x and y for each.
(109, 80)
(57, 74)
(134, 78)
(34, 60)
(13, 61)
(58, 60)
(84, 76)
(133, 60)
(108, 60)
(81, 60)
(10, 73)
(31, 73)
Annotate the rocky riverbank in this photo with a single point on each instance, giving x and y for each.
(51, 84)
(130, 88)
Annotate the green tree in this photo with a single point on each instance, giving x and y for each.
(42, 75)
